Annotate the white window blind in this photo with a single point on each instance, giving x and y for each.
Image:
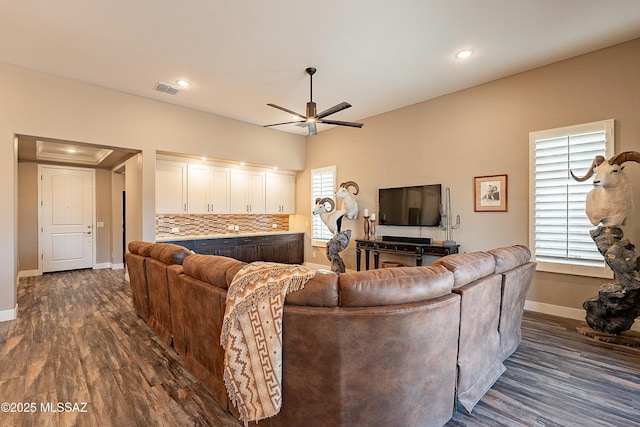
(323, 182)
(559, 226)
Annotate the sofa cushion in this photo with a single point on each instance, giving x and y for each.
(169, 253)
(140, 248)
(320, 291)
(510, 257)
(213, 269)
(390, 286)
(467, 267)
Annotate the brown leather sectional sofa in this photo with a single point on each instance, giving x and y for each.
(391, 346)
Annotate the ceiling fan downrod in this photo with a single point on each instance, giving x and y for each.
(311, 71)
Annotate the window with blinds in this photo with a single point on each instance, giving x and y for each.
(559, 227)
(323, 181)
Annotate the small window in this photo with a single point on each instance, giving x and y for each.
(323, 182)
(559, 227)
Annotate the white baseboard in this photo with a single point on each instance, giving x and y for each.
(28, 273)
(557, 310)
(102, 265)
(7, 315)
(317, 266)
(322, 267)
(119, 266)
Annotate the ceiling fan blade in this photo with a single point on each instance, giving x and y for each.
(334, 109)
(284, 123)
(312, 129)
(287, 111)
(339, 123)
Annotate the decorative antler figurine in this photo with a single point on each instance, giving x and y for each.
(446, 223)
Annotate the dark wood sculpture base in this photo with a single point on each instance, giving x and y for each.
(617, 305)
(628, 338)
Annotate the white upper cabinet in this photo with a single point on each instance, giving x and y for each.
(171, 187)
(208, 189)
(211, 188)
(280, 193)
(247, 191)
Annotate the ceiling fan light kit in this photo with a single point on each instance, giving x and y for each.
(312, 117)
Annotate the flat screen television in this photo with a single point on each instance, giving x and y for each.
(417, 205)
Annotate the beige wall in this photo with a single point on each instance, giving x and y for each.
(480, 131)
(103, 215)
(28, 217)
(39, 104)
(117, 187)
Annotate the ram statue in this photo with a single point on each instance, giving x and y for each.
(349, 204)
(331, 217)
(610, 201)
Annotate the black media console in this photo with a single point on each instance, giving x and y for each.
(410, 246)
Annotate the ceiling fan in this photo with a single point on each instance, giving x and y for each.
(312, 116)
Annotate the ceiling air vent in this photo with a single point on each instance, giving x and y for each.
(167, 88)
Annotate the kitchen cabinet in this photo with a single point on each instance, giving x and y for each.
(280, 193)
(256, 248)
(223, 247)
(247, 189)
(284, 248)
(171, 187)
(192, 187)
(207, 189)
(289, 249)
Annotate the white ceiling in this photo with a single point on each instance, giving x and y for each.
(240, 55)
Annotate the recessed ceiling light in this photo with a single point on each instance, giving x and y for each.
(203, 158)
(70, 150)
(183, 83)
(464, 54)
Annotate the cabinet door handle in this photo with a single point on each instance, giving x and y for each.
(185, 207)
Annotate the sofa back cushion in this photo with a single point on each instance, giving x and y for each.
(213, 269)
(389, 286)
(510, 257)
(467, 267)
(169, 253)
(320, 291)
(140, 248)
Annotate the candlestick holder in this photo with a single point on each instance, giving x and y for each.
(366, 227)
(372, 229)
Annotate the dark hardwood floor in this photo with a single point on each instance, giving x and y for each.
(78, 345)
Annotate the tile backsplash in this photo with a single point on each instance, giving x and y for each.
(196, 225)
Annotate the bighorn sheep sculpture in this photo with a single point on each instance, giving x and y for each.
(349, 204)
(610, 202)
(332, 218)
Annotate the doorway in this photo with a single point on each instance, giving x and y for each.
(66, 217)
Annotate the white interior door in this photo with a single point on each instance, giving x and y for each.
(66, 218)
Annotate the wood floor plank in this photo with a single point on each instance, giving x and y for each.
(77, 339)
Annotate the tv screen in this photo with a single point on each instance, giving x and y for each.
(418, 205)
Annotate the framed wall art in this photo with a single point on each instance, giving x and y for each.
(490, 193)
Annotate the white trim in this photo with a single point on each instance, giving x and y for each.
(323, 267)
(567, 312)
(119, 266)
(29, 273)
(317, 266)
(316, 171)
(102, 265)
(569, 267)
(7, 315)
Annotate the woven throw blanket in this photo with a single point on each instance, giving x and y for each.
(252, 336)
